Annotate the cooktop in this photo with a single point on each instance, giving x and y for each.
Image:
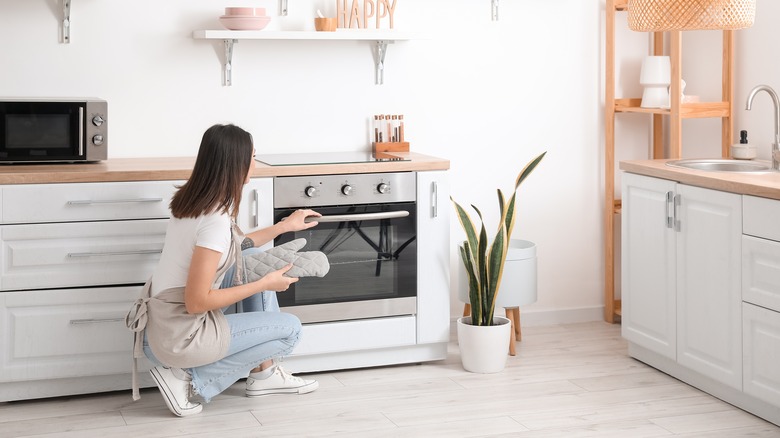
(326, 158)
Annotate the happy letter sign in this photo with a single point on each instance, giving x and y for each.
(358, 14)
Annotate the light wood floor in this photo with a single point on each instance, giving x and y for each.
(566, 381)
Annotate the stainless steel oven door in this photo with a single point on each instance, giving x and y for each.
(372, 251)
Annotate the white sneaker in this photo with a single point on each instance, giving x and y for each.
(174, 384)
(280, 382)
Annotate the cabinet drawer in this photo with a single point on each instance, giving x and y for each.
(65, 333)
(761, 331)
(86, 201)
(79, 254)
(761, 272)
(761, 217)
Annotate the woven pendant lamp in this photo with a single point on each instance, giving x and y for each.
(665, 15)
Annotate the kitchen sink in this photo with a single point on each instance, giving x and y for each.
(722, 165)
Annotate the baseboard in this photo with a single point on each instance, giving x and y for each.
(530, 318)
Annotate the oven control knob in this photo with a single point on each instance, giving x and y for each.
(97, 120)
(310, 191)
(97, 139)
(346, 189)
(383, 188)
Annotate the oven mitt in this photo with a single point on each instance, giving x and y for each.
(305, 264)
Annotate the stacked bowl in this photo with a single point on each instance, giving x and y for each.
(244, 19)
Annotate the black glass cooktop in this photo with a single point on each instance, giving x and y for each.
(326, 158)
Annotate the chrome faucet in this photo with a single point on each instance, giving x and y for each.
(776, 101)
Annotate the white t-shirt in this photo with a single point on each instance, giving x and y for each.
(210, 231)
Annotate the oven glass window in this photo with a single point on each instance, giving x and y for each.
(369, 259)
(44, 131)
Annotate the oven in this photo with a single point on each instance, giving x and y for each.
(367, 231)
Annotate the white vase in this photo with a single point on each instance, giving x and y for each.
(655, 76)
(483, 349)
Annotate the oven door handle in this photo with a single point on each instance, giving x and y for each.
(358, 217)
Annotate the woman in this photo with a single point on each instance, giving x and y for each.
(178, 320)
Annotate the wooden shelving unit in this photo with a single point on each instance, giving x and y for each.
(677, 112)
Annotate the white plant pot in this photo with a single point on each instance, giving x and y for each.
(518, 284)
(483, 349)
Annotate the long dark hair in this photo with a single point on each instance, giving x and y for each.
(218, 176)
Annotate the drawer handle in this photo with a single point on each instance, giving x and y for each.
(114, 201)
(95, 321)
(114, 253)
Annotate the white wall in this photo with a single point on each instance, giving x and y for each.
(487, 95)
(758, 62)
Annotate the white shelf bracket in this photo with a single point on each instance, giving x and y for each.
(227, 73)
(494, 9)
(65, 21)
(381, 51)
(283, 8)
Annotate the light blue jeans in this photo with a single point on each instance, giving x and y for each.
(258, 332)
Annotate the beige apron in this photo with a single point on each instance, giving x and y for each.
(177, 338)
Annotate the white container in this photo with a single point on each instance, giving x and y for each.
(743, 151)
(518, 284)
(483, 348)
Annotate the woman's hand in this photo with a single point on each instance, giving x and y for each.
(296, 221)
(276, 280)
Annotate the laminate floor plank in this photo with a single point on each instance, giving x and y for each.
(721, 421)
(566, 381)
(79, 422)
(585, 415)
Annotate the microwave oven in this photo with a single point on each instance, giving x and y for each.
(44, 130)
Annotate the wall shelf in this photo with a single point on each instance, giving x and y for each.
(381, 39)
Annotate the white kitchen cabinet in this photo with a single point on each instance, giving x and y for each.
(724, 300)
(709, 321)
(649, 311)
(761, 272)
(36, 203)
(761, 333)
(681, 275)
(257, 206)
(79, 253)
(55, 334)
(433, 259)
(761, 298)
(73, 258)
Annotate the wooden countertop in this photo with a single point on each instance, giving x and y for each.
(765, 185)
(179, 168)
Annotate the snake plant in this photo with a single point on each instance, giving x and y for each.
(484, 260)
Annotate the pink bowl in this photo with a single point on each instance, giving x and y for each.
(245, 12)
(233, 22)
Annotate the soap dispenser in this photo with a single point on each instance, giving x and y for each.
(742, 150)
